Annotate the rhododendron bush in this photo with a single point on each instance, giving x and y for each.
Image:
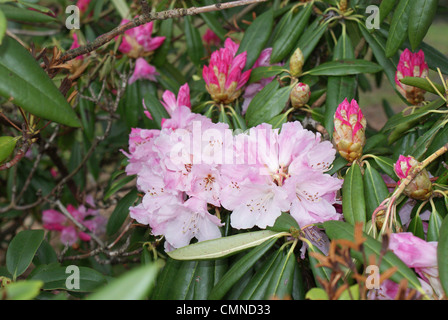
(196, 150)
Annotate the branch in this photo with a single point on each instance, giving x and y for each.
(148, 17)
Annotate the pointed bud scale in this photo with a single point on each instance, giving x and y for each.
(349, 130)
(296, 63)
(411, 65)
(224, 76)
(300, 95)
(421, 187)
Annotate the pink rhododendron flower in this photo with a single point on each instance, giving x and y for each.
(143, 70)
(69, 233)
(171, 103)
(349, 130)
(224, 76)
(411, 65)
(138, 42)
(83, 5)
(253, 88)
(419, 255)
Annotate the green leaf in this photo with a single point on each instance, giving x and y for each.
(386, 7)
(421, 17)
(434, 225)
(21, 251)
(323, 273)
(166, 30)
(284, 223)
(280, 284)
(133, 285)
(121, 212)
(351, 293)
(45, 254)
(416, 227)
(422, 84)
(317, 294)
(375, 190)
(29, 87)
(311, 37)
(25, 15)
(57, 278)
(398, 28)
(239, 269)
(342, 230)
(353, 202)
(345, 67)
(3, 25)
(260, 73)
(387, 165)
(21, 290)
(267, 104)
(7, 146)
(442, 255)
(290, 34)
(195, 48)
(223, 247)
(117, 185)
(155, 108)
(256, 37)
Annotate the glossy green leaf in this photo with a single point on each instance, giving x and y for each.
(375, 190)
(422, 84)
(29, 87)
(25, 15)
(387, 165)
(353, 201)
(260, 73)
(342, 230)
(317, 294)
(117, 185)
(121, 212)
(311, 37)
(284, 223)
(421, 17)
(386, 6)
(323, 273)
(7, 146)
(21, 251)
(45, 254)
(3, 25)
(256, 36)
(416, 227)
(434, 225)
(280, 284)
(239, 268)
(345, 67)
(442, 255)
(290, 34)
(166, 30)
(195, 48)
(133, 285)
(398, 28)
(223, 247)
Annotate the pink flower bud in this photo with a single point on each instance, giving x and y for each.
(421, 187)
(300, 95)
(349, 130)
(411, 65)
(223, 77)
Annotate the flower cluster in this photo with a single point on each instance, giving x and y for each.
(69, 233)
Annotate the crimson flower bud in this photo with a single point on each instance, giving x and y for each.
(300, 95)
(421, 187)
(296, 63)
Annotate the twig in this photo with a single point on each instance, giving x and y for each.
(148, 17)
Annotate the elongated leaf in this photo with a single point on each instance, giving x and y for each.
(239, 269)
(421, 17)
(353, 202)
(422, 84)
(3, 25)
(21, 290)
(290, 34)
(195, 48)
(280, 285)
(345, 68)
(375, 190)
(25, 15)
(256, 37)
(442, 255)
(398, 28)
(311, 37)
(120, 212)
(387, 165)
(264, 72)
(156, 109)
(435, 223)
(223, 247)
(7, 146)
(21, 251)
(133, 285)
(58, 278)
(386, 7)
(29, 87)
(416, 227)
(343, 230)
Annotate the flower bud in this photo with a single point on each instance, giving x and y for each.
(421, 187)
(300, 95)
(349, 130)
(296, 63)
(411, 65)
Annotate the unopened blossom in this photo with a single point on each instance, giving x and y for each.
(138, 42)
(69, 233)
(296, 63)
(211, 39)
(411, 65)
(253, 88)
(224, 76)
(300, 95)
(419, 255)
(83, 5)
(143, 70)
(419, 188)
(349, 130)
